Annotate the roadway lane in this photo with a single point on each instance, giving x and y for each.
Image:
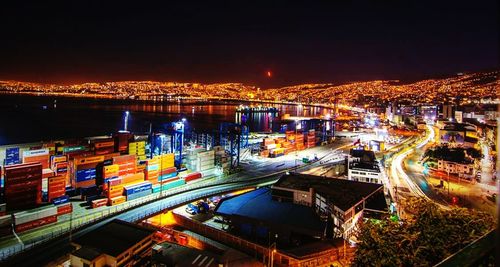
(413, 182)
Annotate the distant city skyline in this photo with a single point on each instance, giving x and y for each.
(241, 42)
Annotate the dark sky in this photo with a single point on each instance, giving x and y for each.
(216, 41)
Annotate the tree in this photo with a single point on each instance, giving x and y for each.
(427, 237)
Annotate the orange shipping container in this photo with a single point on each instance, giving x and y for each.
(88, 160)
(132, 178)
(44, 159)
(124, 159)
(104, 144)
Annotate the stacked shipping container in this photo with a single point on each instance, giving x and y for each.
(103, 146)
(310, 139)
(138, 149)
(126, 164)
(23, 185)
(84, 170)
(35, 218)
(56, 187)
(38, 155)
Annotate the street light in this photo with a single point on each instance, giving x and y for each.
(272, 250)
(296, 152)
(125, 120)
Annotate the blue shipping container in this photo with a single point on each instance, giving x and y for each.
(138, 195)
(138, 188)
(12, 156)
(60, 200)
(84, 175)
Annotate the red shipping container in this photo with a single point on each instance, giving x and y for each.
(114, 182)
(99, 203)
(36, 223)
(192, 176)
(168, 170)
(64, 209)
(85, 183)
(124, 159)
(171, 180)
(103, 151)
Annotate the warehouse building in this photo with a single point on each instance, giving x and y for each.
(301, 208)
(117, 243)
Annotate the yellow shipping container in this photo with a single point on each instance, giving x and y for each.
(111, 168)
(117, 200)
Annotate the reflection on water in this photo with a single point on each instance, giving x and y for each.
(27, 119)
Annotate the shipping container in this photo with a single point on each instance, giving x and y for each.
(169, 185)
(132, 178)
(60, 200)
(116, 200)
(85, 175)
(132, 189)
(192, 176)
(64, 208)
(34, 214)
(23, 185)
(139, 194)
(99, 203)
(35, 223)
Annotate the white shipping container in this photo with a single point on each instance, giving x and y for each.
(28, 216)
(271, 146)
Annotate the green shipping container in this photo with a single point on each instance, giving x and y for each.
(168, 186)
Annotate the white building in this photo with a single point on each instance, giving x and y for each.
(362, 167)
(451, 167)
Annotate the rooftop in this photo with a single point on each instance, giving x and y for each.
(114, 237)
(364, 155)
(364, 166)
(258, 205)
(87, 253)
(342, 193)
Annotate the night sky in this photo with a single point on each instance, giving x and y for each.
(239, 41)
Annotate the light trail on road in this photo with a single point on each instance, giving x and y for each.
(398, 172)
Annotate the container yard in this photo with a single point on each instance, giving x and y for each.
(40, 185)
(42, 181)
